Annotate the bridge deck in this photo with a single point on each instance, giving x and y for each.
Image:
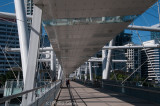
(80, 95)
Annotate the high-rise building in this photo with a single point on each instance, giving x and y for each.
(29, 10)
(119, 54)
(151, 60)
(123, 38)
(8, 38)
(44, 42)
(29, 7)
(155, 35)
(133, 59)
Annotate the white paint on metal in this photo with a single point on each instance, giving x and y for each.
(23, 34)
(90, 71)
(86, 70)
(12, 15)
(105, 74)
(143, 28)
(33, 54)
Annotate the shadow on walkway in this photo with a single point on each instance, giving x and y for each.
(109, 98)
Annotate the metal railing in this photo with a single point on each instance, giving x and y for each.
(41, 93)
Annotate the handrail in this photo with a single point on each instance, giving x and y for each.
(2, 100)
(134, 88)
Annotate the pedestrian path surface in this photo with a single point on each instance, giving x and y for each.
(80, 95)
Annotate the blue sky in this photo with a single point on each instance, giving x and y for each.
(7, 6)
(148, 18)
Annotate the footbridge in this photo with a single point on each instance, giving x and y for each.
(76, 31)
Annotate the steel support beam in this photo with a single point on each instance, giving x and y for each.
(18, 49)
(119, 61)
(95, 70)
(53, 65)
(95, 60)
(143, 28)
(104, 59)
(105, 74)
(131, 27)
(104, 48)
(130, 47)
(44, 60)
(90, 71)
(12, 15)
(32, 55)
(76, 73)
(59, 72)
(80, 73)
(23, 34)
(86, 70)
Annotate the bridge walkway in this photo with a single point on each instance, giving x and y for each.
(80, 95)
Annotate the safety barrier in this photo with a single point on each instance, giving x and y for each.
(147, 93)
(42, 95)
(150, 94)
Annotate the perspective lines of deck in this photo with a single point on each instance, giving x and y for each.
(80, 95)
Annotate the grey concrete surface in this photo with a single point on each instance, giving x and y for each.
(80, 95)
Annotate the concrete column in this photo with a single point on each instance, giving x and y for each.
(90, 71)
(23, 34)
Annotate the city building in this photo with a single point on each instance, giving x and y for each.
(8, 39)
(155, 35)
(44, 42)
(151, 60)
(133, 57)
(29, 10)
(119, 54)
(97, 66)
(29, 7)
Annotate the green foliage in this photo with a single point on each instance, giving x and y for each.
(99, 77)
(82, 77)
(137, 78)
(120, 75)
(9, 75)
(2, 79)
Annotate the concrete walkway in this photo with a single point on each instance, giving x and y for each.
(80, 95)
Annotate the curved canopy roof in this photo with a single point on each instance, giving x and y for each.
(77, 29)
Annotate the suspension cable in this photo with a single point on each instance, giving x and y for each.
(8, 63)
(6, 4)
(147, 56)
(14, 61)
(133, 72)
